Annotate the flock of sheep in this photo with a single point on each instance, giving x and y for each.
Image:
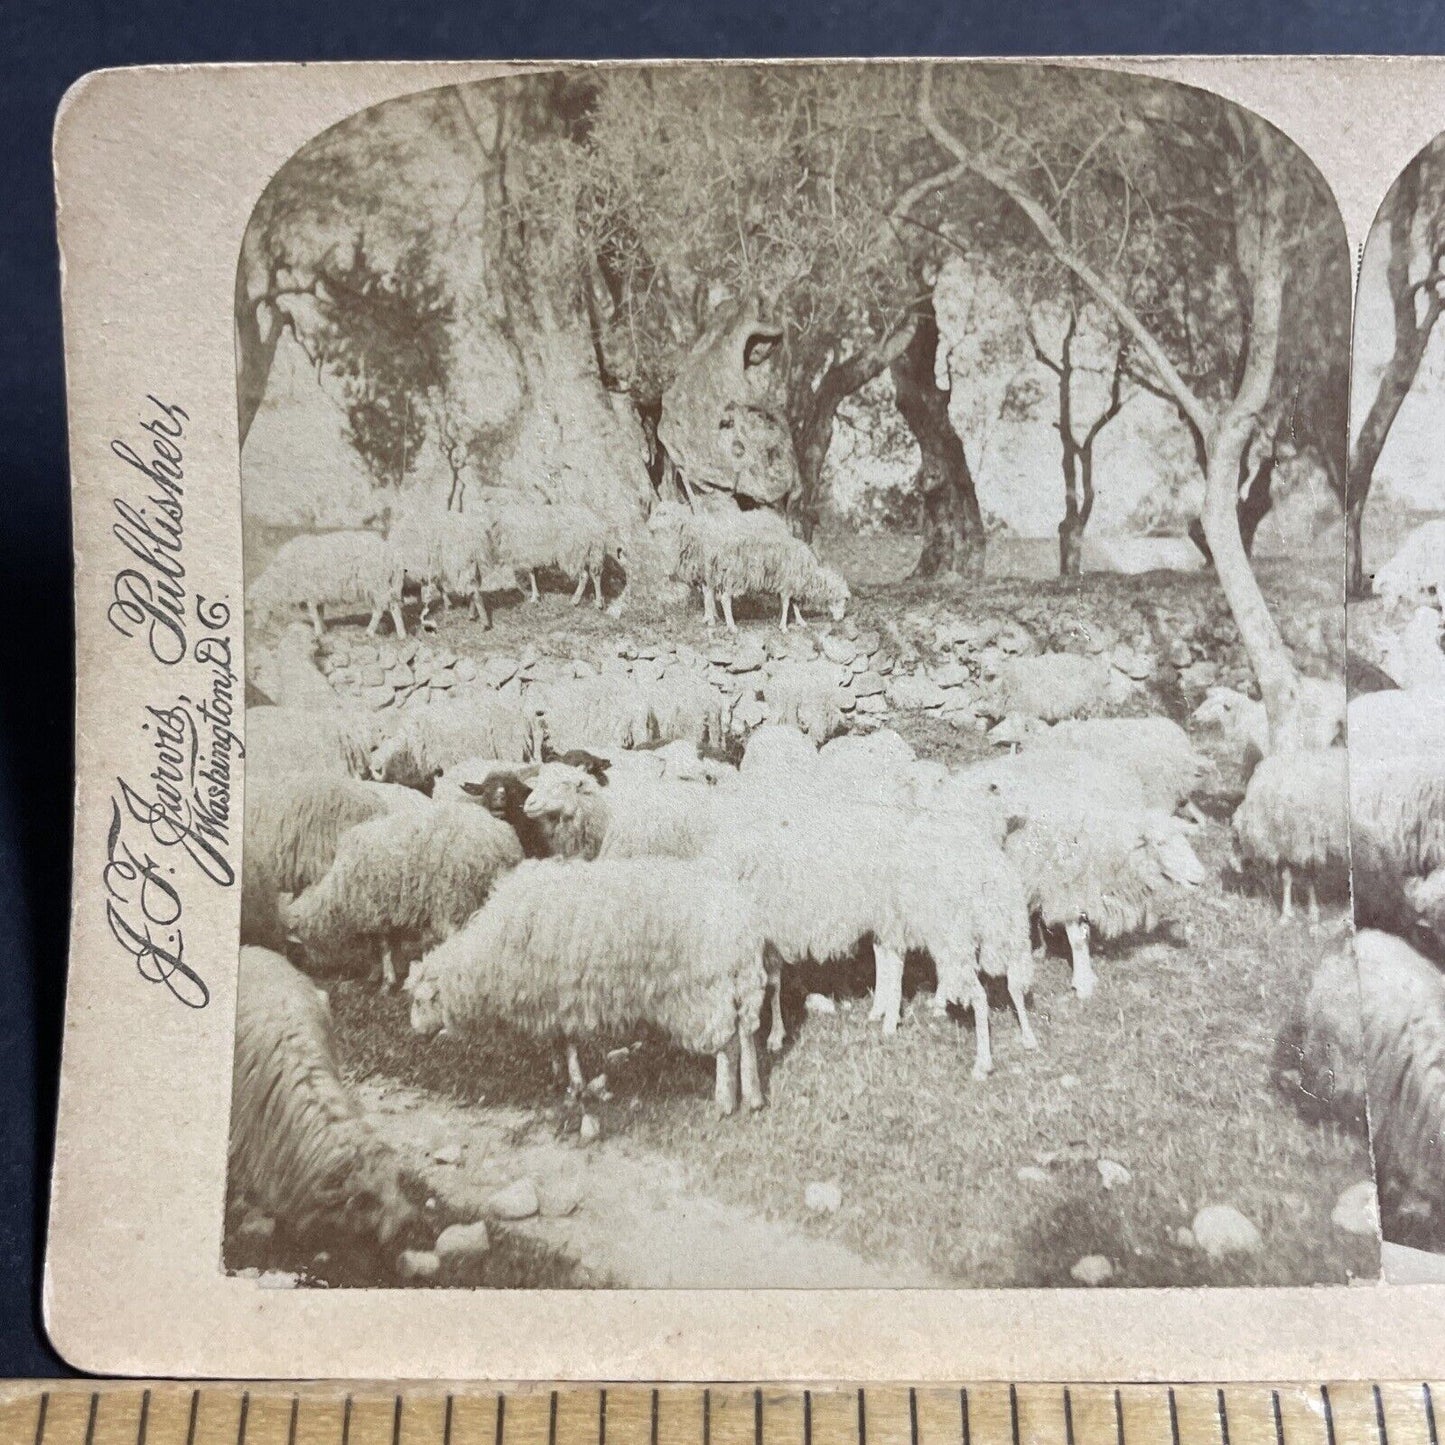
(593, 860)
(446, 555)
(1373, 1023)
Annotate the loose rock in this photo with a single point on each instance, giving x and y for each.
(1357, 1211)
(450, 1153)
(517, 1201)
(1220, 1230)
(416, 1266)
(1113, 1173)
(461, 1249)
(589, 1128)
(1092, 1269)
(1032, 1174)
(819, 1003)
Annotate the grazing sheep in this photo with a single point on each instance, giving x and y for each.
(1375, 1023)
(629, 818)
(591, 712)
(1155, 749)
(568, 948)
(1100, 872)
(1053, 686)
(330, 569)
(1244, 721)
(824, 881)
(449, 554)
(1416, 573)
(1390, 724)
(1295, 817)
(572, 539)
(300, 1149)
(401, 882)
(1397, 842)
(429, 740)
(733, 554)
(293, 825)
(286, 740)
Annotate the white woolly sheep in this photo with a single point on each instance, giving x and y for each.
(565, 949)
(687, 708)
(1295, 817)
(1413, 657)
(734, 554)
(286, 740)
(426, 741)
(1025, 784)
(330, 569)
(1244, 721)
(1053, 686)
(1393, 723)
(289, 675)
(805, 695)
(591, 712)
(776, 752)
(628, 818)
(572, 539)
(293, 826)
(823, 881)
(1155, 749)
(449, 554)
(300, 1149)
(1416, 572)
(1397, 841)
(1100, 873)
(1375, 1023)
(401, 882)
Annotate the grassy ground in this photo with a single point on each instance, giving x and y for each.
(1166, 1071)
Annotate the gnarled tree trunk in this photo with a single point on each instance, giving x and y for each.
(1413, 325)
(953, 537)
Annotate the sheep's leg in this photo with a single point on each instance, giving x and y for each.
(752, 1089)
(475, 610)
(575, 1082)
(798, 613)
(532, 583)
(313, 611)
(597, 588)
(727, 607)
(787, 604)
(581, 588)
(1191, 811)
(887, 987)
(396, 620)
(709, 606)
(1286, 900)
(725, 1092)
(1016, 996)
(983, 1053)
(1314, 901)
(775, 984)
(1084, 976)
(375, 622)
(388, 966)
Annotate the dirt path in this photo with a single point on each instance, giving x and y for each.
(623, 1212)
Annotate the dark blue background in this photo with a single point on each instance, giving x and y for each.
(43, 47)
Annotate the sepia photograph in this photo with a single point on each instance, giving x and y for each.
(796, 690)
(1390, 1056)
